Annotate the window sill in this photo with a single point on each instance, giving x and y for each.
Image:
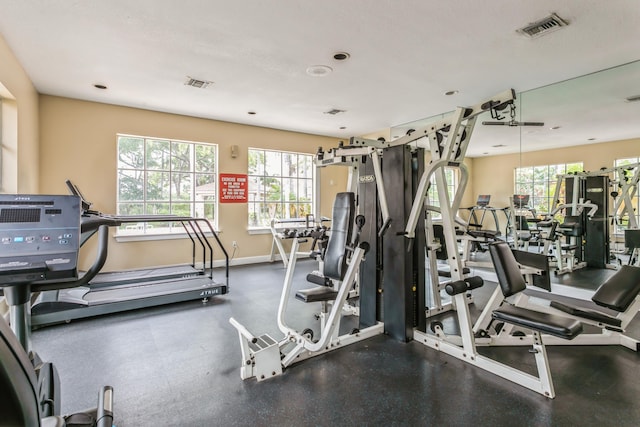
(123, 238)
(258, 230)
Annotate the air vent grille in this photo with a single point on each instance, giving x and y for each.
(544, 26)
(634, 98)
(200, 84)
(334, 111)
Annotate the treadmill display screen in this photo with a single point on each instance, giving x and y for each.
(16, 215)
(483, 200)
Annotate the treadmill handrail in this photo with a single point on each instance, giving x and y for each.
(89, 222)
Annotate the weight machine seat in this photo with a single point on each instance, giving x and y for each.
(335, 256)
(620, 290)
(562, 327)
(586, 313)
(317, 294)
(617, 293)
(509, 276)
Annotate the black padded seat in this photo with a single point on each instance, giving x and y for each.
(586, 313)
(620, 290)
(317, 294)
(562, 327)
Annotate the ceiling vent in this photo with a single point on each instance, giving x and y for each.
(545, 26)
(200, 84)
(634, 98)
(334, 111)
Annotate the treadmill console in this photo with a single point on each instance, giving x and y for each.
(39, 238)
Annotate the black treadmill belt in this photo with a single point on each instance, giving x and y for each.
(147, 290)
(131, 276)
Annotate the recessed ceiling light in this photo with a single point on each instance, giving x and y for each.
(341, 56)
(252, 113)
(99, 86)
(451, 92)
(319, 70)
(555, 127)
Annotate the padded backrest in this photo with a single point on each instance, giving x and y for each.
(19, 400)
(335, 256)
(620, 290)
(509, 275)
(572, 226)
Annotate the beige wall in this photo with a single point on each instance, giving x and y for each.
(494, 174)
(78, 142)
(19, 126)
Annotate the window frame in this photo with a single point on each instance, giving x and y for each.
(635, 200)
(210, 198)
(452, 178)
(259, 222)
(550, 180)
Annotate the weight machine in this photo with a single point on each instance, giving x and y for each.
(343, 287)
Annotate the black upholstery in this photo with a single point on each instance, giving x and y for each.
(572, 226)
(620, 290)
(586, 313)
(335, 260)
(19, 401)
(539, 262)
(509, 275)
(335, 256)
(317, 294)
(562, 327)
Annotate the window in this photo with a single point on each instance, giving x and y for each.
(540, 182)
(162, 177)
(623, 219)
(452, 185)
(280, 186)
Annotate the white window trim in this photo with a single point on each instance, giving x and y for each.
(134, 237)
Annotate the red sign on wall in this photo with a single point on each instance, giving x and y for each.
(233, 188)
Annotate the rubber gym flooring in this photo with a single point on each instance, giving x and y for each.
(179, 365)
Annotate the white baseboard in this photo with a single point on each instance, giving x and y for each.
(252, 260)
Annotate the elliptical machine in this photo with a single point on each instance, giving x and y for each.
(40, 238)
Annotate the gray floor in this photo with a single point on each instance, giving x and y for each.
(179, 366)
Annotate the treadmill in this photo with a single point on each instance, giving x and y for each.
(97, 292)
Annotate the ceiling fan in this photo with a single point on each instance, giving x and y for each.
(513, 123)
(495, 114)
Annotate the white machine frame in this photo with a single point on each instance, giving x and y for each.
(263, 357)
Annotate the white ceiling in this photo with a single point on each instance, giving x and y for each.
(404, 55)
